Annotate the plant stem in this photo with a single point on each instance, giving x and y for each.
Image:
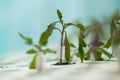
(61, 45)
(58, 30)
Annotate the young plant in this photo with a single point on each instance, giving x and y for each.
(64, 42)
(99, 44)
(113, 41)
(94, 49)
(37, 62)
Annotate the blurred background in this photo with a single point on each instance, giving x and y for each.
(31, 17)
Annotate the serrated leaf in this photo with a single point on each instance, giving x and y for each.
(48, 51)
(108, 43)
(31, 51)
(46, 34)
(67, 49)
(33, 63)
(27, 40)
(106, 52)
(59, 15)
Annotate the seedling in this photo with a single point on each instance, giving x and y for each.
(96, 47)
(64, 41)
(114, 40)
(36, 63)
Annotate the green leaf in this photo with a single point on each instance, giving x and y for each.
(77, 54)
(80, 26)
(44, 37)
(31, 51)
(106, 52)
(48, 51)
(72, 45)
(69, 24)
(33, 63)
(108, 43)
(81, 53)
(52, 25)
(59, 15)
(116, 39)
(112, 27)
(98, 56)
(100, 44)
(21, 35)
(27, 40)
(67, 49)
(87, 55)
(82, 42)
(46, 34)
(80, 49)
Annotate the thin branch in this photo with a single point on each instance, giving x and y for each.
(58, 30)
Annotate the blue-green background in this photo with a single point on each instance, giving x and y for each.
(31, 17)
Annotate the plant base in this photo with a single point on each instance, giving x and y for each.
(64, 63)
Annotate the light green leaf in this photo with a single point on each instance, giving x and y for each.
(21, 35)
(67, 49)
(27, 40)
(31, 51)
(48, 51)
(46, 34)
(44, 37)
(33, 63)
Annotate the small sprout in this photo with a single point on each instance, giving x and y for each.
(64, 40)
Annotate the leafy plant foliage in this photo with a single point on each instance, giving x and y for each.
(97, 47)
